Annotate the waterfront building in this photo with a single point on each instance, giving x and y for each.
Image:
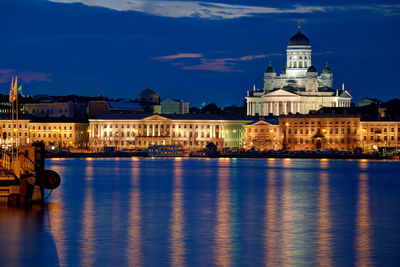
(20, 137)
(299, 88)
(320, 132)
(170, 106)
(59, 132)
(191, 131)
(262, 135)
(380, 134)
(54, 132)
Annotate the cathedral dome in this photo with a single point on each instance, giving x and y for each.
(299, 39)
(270, 69)
(327, 70)
(311, 69)
(148, 96)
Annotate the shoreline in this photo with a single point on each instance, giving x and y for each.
(233, 155)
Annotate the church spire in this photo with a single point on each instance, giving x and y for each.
(299, 26)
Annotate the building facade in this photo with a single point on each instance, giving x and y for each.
(192, 131)
(380, 134)
(299, 88)
(54, 133)
(315, 132)
(9, 134)
(262, 135)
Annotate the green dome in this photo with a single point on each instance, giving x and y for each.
(283, 71)
(270, 69)
(327, 70)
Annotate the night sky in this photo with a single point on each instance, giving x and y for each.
(198, 51)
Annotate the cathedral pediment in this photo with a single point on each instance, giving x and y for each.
(280, 93)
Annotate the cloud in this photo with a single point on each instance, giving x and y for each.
(25, 76)
(229, 64)
(208, 10)
(178, 56)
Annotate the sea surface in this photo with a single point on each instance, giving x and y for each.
(210, 212)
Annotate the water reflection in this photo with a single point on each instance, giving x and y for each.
(177, 243)
(271, 235)
(324, 250)
(287, 216)
(87, 235)
(57, 220)
(363, 232)
(134, 250)
(223, 229)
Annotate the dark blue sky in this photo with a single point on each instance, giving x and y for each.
(199, 51)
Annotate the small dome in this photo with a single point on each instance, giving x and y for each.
(270, 69)
(148, 96)
(327, 70)
(311, 69)
(299, 39)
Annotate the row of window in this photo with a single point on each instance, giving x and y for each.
(49, 135)
(319, 123)
(173, 134)
(145, 126)
(331, 141)
(147, 143)
(378, 138)
(47, 111)
(49, 127)
(331, 131)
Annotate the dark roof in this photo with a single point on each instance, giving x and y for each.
(326, 89)
(311, 69)
(20, 117)
(299, 39)
(124, 106)
(58, 119)
(168, 116)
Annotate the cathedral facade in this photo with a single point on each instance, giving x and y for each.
(299, 88)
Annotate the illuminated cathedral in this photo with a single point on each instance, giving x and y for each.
(299, 88)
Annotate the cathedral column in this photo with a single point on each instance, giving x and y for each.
(285, 107)
(277, 108)
(298, 106)
(291, 107)
(247, 108)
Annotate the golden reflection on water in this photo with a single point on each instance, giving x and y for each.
(287, 216)
(271, 234)
(363, 232)
(223, 229)
(363, 164)
(57, 220)
(177, 243)
(134, 251)
(324, 250)
(324, 163)
(87, 235)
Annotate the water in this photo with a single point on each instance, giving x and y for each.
(210, 212)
